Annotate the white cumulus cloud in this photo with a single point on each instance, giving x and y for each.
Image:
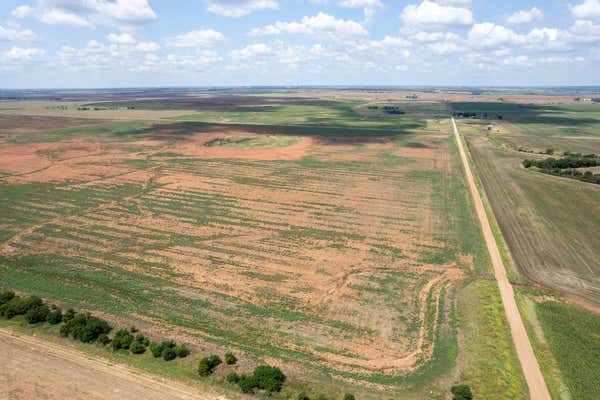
(589, 10)
(319, 24)
(198, 38)
(429, 13)
(525, 16)
(239, 8)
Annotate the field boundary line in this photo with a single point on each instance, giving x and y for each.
(529, 364)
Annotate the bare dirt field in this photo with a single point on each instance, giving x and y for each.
(36, 369)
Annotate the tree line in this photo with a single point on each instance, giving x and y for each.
(85, 327)
(88, 328)
(567, 166)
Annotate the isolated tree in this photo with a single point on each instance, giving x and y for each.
(461, 392)
(208, 364)
(269, 378)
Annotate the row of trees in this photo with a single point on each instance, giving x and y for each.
(85, 327)
(568, 162)
(88, 328)
(567, 166)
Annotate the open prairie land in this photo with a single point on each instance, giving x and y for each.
(335, 242)
(550, 226)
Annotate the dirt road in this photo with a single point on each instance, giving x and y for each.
(531, 369)
(32, 368)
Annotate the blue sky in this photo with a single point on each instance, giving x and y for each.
(120, 43)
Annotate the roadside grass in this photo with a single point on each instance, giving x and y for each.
(492, 367)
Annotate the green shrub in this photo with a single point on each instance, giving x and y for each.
(302, 396)
(137, 347)
(122, 340)
(69, 315)
(247, 383)
(168, 354)
(85, 327)
(461, 392)
(55, 316)
(349, 396)
(168, 343)
(37, 314)
(28, 303)
(156, 349)
(10, 309)
(103, 339)
(6, 296)
(233, 377)
(208, 364)
(142, 339)
(230, 359)
(182, 351)
(269, 378)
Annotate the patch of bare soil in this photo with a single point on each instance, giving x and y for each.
(40, 370)
(195, 147)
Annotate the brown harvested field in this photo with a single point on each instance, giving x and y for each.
(547, 221)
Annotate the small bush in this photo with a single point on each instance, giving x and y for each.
(349, 396)
(208, 364)
(122, 340)
(103, 339)
(168, 354)
(233, 377)
(69, 315)
(182, 351)
(55, 317)
(28, 303)
(156, 349)
(6, 296)
(302, 396)
(247, 383)
(461, 392)
(269, 378)
(10, 309)
(230, 359)
(142, 339)
(85, 327)
(168, 343)
(137, 347)
(37, 314)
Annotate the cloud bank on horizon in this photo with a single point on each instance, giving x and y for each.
(111, 43)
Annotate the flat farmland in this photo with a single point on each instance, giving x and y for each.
(336, 252)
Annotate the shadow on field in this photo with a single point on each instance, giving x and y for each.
(572, 115)
(334, 135)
